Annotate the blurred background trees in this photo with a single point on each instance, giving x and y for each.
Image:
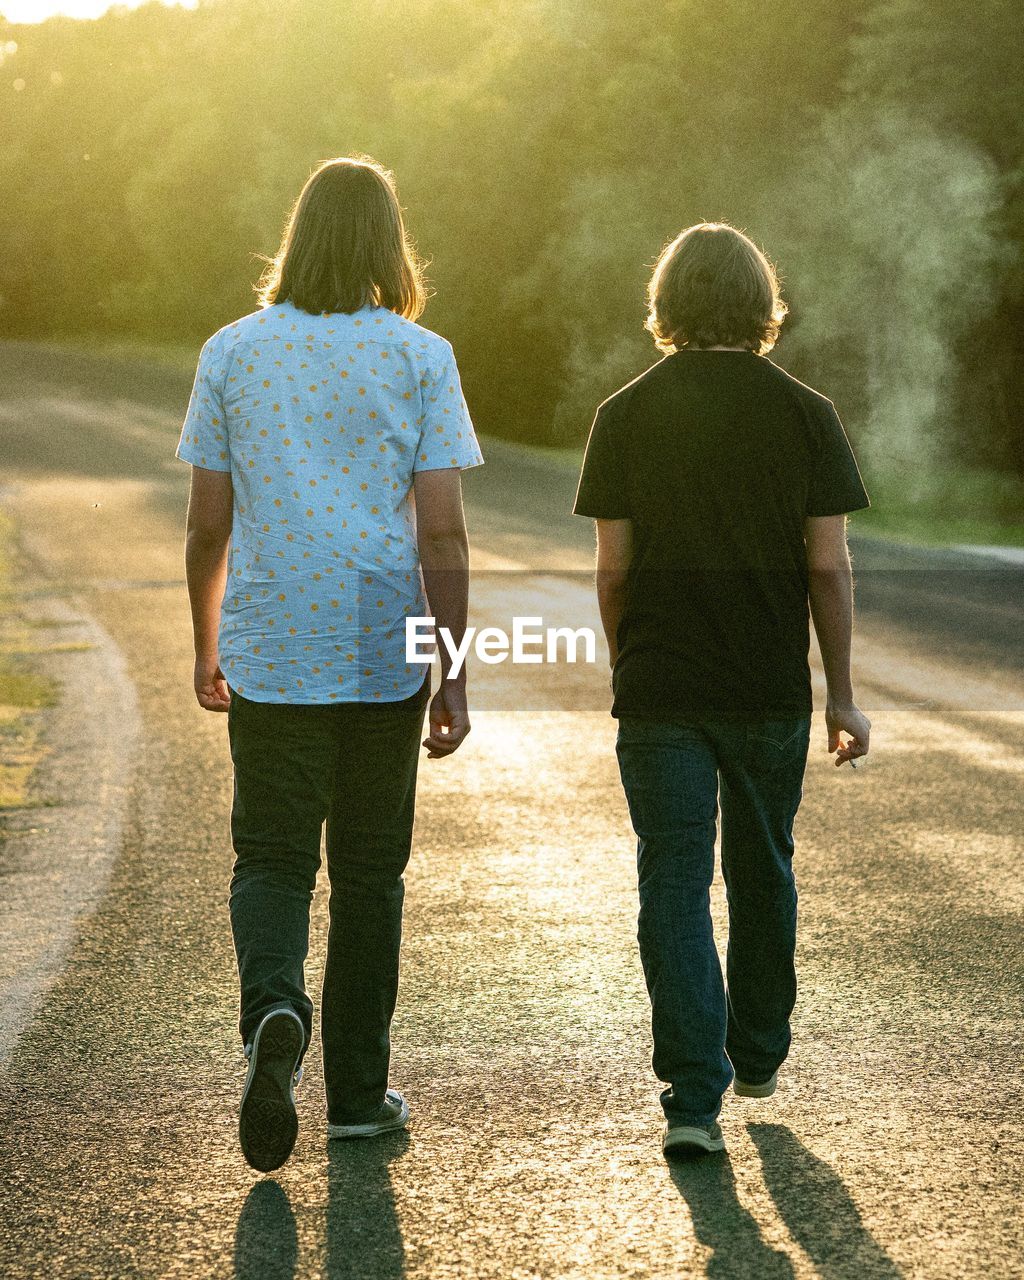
(545, 153)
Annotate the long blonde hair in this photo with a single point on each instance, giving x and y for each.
(345, 245)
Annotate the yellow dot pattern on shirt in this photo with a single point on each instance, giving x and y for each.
(323, 420)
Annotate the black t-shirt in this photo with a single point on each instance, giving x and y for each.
(716, 457)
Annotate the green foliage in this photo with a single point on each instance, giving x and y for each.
(545, 153)
(961, 505)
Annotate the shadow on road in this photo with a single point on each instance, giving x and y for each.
(362, 1232)
(708, 1185)
(818, 1210)
(363, 1235)
(266, 1243)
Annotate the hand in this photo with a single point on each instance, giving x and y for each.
(449, 720)
(846, 717)
(211, 688)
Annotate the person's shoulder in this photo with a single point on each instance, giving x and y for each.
(807, 396)
(246, 327)
(391, 328)
(619, 402)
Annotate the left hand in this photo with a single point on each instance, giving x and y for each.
(847, 717)
(211, 688)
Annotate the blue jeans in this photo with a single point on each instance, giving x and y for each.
(673, 775)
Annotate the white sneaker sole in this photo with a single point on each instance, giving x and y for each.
(371, 1130)
(683, 1139)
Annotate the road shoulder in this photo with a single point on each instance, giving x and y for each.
(61, 835)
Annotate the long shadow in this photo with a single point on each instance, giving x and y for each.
(266, 1242)
(818, 1210)
(708, 1185)
(364, 1240)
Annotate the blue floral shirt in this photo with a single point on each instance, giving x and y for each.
(322, 421)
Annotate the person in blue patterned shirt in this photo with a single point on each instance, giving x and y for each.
(326, 432)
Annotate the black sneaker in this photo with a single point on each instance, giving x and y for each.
(750, 1089)
(267, 1122)
(393, 1114)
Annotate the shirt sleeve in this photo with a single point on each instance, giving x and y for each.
(204, 435)
(836, 486)
(447, 438)
(602, 489)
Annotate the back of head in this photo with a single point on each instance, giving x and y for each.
(345, 245)
(712, 287)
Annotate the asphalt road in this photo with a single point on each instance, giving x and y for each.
(893, 1147)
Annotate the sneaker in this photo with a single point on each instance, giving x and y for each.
(743, 1089)
(267, 1121)
(393, 1114)
(692, 1139)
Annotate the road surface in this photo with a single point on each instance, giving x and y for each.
(893, 1147)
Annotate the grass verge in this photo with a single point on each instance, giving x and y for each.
(24, 691)
(953, 507)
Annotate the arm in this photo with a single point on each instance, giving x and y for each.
(444, 556)
(207, 534)
(830, 587)
(614, 556)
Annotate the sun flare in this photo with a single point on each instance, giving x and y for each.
(22, 11)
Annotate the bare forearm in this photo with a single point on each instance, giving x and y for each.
(206, 568)
(611, 600)
(445, 562)
(831, 600)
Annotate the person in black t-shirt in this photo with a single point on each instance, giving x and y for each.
(720, 486)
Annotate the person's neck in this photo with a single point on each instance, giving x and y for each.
(717, 348)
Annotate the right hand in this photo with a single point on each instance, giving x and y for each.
(212, 691)
(846, 717)
(449, 720)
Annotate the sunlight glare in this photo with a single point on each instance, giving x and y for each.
(40, 10)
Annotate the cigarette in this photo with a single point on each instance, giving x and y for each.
(853, 764)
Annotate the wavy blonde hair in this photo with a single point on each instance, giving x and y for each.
(345, 245)
(713, 286)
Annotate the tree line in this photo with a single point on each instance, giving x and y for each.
(545, 152)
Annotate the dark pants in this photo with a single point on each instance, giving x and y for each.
(673, 775)
(352, 765)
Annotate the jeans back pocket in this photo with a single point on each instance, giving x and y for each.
(774, 745)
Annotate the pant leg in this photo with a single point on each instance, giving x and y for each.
(283, 772)
(761, 792)
(670, 777)
(369, 838)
